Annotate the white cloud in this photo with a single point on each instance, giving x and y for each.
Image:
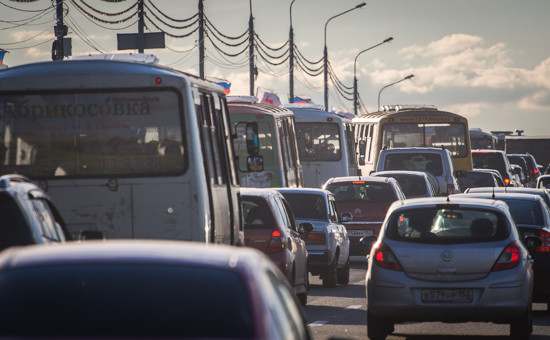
(468, 110)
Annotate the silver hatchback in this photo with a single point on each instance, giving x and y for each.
(449, 260)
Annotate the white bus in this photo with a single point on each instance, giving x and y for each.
(125, 149)
(325, 144)
(277, 144)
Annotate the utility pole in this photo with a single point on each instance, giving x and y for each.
(201, 39)
(60, 31)
(141, 24)
(252, 68)
(291, 60)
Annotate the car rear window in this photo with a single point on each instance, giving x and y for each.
(473, 179)
(447, 225)
(125, 300)
(411, 185)
(490, 160)
(362, 191)
(14, 231)
(524, 211)
(430, 162)
(307, 206)
(257, 213)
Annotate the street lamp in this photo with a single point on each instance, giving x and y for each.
(325, 53)
(291, 61)
(355, 72)
(410, 76)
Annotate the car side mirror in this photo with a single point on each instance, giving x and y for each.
(305, 227)
(346, 217)
(368, 241)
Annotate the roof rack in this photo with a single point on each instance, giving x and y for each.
(242, 99)
(304, 106)
(402, 107)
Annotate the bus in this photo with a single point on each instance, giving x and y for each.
(325, 143)
(409, 126)
(482, 140)
(276, 139)
(125, 149)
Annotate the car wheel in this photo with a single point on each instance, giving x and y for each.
(522, 327)
(330, 276)
(302, 297)
(343, 274)
(377, 328)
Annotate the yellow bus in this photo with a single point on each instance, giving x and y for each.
(408, 126)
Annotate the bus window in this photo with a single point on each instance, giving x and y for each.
(326, 141)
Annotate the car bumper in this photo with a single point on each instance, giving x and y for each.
(401, 300)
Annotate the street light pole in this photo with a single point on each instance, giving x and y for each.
(325, 52)
(410, 76)
(355, 95)
(291, 61)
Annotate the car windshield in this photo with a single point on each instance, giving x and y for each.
(124, 299)
(447, 224)
(307, 206)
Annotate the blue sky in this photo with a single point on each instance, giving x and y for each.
(486, 59)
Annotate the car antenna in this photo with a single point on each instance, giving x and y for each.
(494, 192)
(448, 199)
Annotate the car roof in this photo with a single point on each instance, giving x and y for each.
(518, 190)
(304, 191)
(501, 195)
(131, 251)
(399, 172)
(260, 192)
(462, 200)
(17, 185)
(361, 178)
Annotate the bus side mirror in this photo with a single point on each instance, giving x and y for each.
(255, 163)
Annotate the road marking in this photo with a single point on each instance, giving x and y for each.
(318, 323)
(354, 307)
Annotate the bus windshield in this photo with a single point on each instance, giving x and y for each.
(318, 141)
(452, 136)
(92, 134)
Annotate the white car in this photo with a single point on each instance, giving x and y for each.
(328, 244)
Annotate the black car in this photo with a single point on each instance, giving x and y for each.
(531, 170)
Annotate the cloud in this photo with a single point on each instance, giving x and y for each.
(539, 100)
(468, 110)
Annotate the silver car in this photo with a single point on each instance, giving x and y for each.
(449, 260)
(328, 244)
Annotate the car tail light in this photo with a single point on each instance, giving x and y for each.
(451, 188)
(384, 257)
(314, 238)
(276, 243)
(506, 181)
(510, 257)
(545, 245)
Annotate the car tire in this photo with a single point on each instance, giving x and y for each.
(377, 328)
(330, 275)
(343, 274)
(302, 297)
(522, 327)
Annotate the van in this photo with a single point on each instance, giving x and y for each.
(434, 161)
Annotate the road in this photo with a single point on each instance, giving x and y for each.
(340, 313)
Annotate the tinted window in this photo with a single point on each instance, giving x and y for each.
(125, 300)
(447, 225)
(257, 213)
(490, 160)
(307, 206)
(525, 212)
(368, 192)
(411, 185)
(13, 229)
(474, 179)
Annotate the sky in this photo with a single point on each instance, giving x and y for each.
(488, 60)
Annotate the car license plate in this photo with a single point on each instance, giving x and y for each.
(447, 295)
(359, 233)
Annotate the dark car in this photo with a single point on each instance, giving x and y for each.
(543, 193)
(494, 159)
(476, 179)
(28, 215)
(130, 289)
(270, 227)
(362, 202)
(413, 183)
(532, 216)
(532, 171)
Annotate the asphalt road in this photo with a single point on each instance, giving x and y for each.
(340, 313)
